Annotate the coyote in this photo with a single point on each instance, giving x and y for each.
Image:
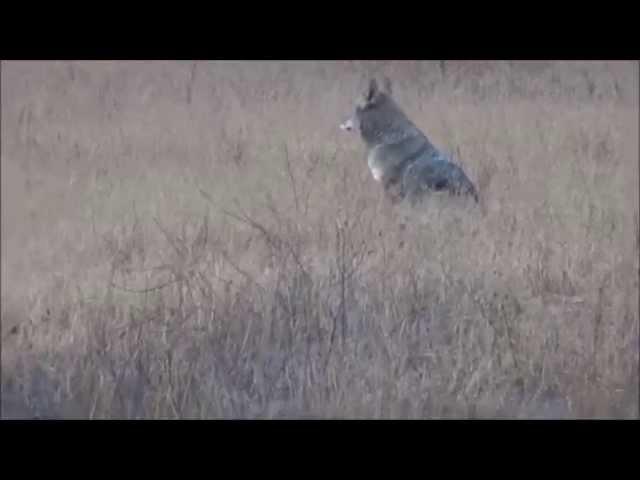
(399, 155)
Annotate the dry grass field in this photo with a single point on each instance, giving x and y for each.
(201, 240)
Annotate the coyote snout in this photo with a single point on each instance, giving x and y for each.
(399, 155)
(347, 125)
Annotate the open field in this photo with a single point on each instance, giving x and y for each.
(187, 240)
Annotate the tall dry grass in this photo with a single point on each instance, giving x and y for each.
(188, 240)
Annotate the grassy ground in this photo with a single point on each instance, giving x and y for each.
(202, 241)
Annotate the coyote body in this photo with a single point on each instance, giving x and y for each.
(399, 155)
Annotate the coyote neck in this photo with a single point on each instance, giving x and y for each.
(389, 127)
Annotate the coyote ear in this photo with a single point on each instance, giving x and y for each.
(387, 86)
(372, 90)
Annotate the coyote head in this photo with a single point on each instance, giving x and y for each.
(372, 98)
(377, 117)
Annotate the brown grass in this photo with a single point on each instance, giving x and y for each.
(202, 241)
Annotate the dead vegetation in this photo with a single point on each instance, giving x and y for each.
(188, 240)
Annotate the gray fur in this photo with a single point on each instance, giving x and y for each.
(399, 155)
